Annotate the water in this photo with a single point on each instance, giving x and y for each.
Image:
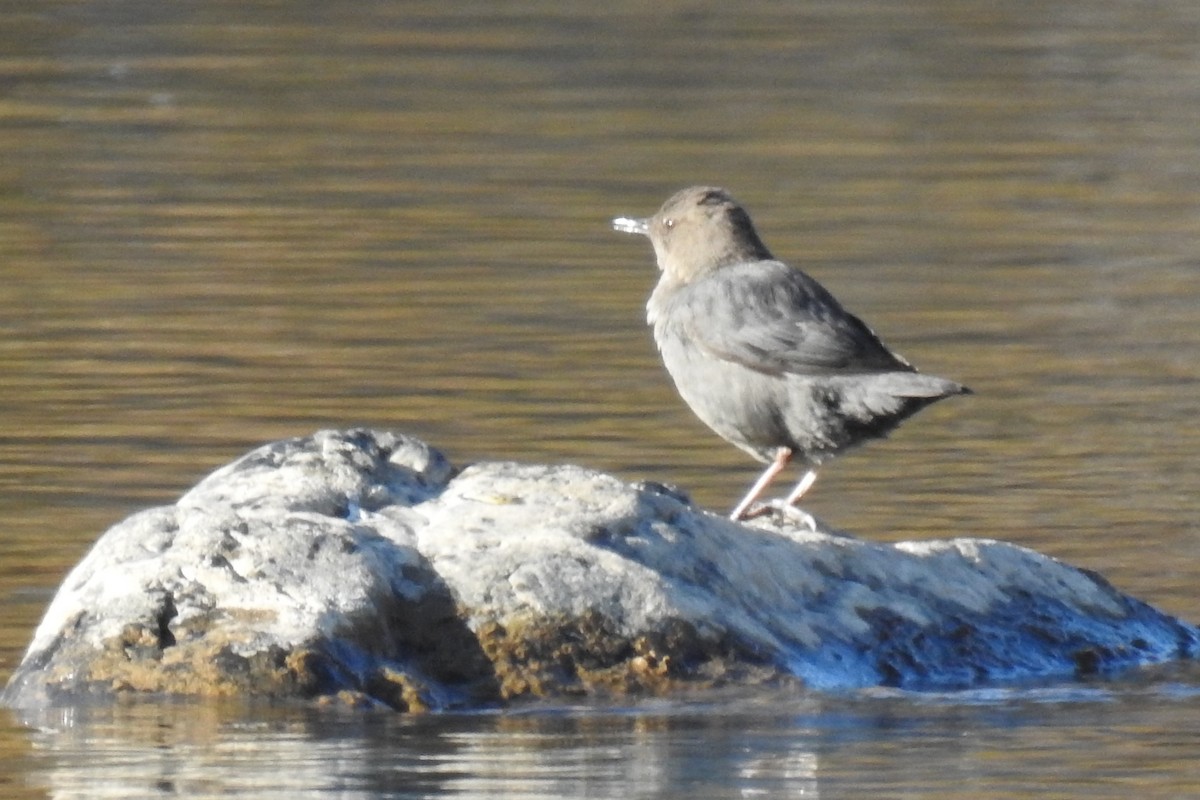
(982, 745)
(223, 224)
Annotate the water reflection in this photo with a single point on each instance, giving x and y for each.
(196, 751)
(992, 744)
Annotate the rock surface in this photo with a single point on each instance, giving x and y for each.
(360, 567)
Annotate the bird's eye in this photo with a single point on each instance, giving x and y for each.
(668, 223)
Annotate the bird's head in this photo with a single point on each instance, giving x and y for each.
(698, 230)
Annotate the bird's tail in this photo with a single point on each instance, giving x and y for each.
(916, 385)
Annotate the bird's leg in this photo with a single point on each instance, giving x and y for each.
(803, 486)
(782, 456)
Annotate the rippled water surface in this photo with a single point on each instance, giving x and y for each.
(225, 223)
(1036, 743)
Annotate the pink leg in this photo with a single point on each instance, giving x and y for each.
(803, 486)
(782, 456)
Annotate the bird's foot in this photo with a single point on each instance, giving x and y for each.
(784, 510)
(795, 514)
(741, 514)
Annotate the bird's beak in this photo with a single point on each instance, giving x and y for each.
(629, 225)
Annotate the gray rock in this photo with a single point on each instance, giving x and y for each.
(358, 567)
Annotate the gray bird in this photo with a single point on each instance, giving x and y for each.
(761, 352)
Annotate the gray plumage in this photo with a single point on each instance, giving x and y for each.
(761, 352)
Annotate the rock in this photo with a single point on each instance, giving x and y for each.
(358, 567)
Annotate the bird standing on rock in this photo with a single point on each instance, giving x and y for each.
(761, 352)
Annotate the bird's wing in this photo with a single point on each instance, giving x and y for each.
(774, 319)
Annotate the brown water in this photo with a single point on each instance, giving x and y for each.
(226, 223)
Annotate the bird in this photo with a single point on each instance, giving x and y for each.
(761, 352)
